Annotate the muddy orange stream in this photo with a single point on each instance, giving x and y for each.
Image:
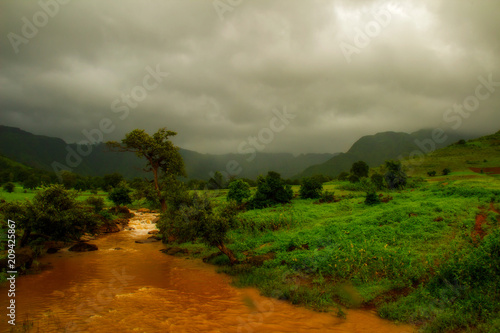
(130, 287)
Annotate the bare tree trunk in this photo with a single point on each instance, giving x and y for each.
(158, 190)
(228, 253)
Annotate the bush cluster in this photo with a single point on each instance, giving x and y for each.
(53, 212)
(271, 190)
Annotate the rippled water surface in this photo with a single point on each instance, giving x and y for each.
(131, 287)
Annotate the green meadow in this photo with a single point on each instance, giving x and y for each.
(21, 194)
(481, 153)
(418, 257)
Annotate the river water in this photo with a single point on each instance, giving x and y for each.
(131, 287)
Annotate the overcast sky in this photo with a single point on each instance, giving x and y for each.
(340, 69)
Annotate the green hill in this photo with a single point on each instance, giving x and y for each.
(14, 171)
(466, 157)
(7, 163)
(375, 150)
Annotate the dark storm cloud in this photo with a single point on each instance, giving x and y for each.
(229, 67)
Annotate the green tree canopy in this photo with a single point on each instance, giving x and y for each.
(9, 187)
(192, 216)
(54, 212)
(360, 169)
(31, 183)
(112, 180)
(217, 181)
(377, 181)
(69, 179)
(311, 188)
(120, 195)
(163, 158)
(239, 190)
(395, 177)
(271, 190)
(343, 176)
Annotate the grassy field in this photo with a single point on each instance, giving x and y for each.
(419, 258)
(478, 153)
(21, 194)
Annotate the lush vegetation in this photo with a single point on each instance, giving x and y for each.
(417, 255)
(468, 157)
(425, 251)
(409, 246)
(191, 217)
(54, 214)
(375, 150)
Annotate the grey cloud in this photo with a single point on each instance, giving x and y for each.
(227, 76)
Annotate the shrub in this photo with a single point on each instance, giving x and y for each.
(239, 190)
(9, 187)
(359, 186)
(217, 181)
(395, 177)
(343, 176)
(321, 178)
(311, 188)
(53, 212)
(327, 196)
(120, 196)
(431, 173)
(31, 183)
(416, 182)
(377, 181)
(112, 180)
(360, 169)
(353, 179)
(372, 198)
(271, 190)
(192, 216)
(446, 171)
(96, 202)
(106, 215)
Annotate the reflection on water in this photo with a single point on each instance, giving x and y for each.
(131, 287)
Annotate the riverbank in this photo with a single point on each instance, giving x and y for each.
(420, 256)
(130, 286)
(26, 258)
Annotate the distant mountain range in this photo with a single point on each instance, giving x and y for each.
(376, 149)
(41, 152)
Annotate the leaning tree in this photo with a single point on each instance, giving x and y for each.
(163, 158)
